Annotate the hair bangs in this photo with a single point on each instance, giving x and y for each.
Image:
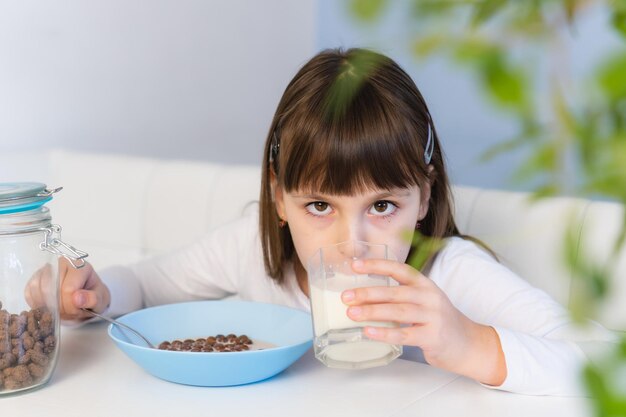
(366, 148)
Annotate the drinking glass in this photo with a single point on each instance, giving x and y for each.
(340, 341)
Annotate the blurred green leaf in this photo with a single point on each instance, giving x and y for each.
(581, 303)
(546, 190)
(423, 247)
(619, 17)
(367, 10)
(565, 117)
(528, 20)
(607, 185)
(474, 50)
(604, 380)
(485, 10)
(429, 8)
(543, 160)
(586, 137)
(347, 84)
(591, 280)
(621, 350)
(570, 7)
(607, 176)
(571, 248)
(596, 387)
(621, 238)
(502, 147)
(530, 133)
(505, 83)
(428, 45)
(612, 76)
(598, 283)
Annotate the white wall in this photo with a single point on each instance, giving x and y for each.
(201, 79)
(168, 78)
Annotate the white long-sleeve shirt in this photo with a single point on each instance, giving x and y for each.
(536, 333)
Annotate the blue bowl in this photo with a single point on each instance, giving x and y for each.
(288, 329)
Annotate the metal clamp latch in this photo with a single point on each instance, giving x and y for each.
(44, 193)
(48, 192)
(56, 246)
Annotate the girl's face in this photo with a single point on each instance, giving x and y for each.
(376, 216)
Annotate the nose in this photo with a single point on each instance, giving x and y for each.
(351, 231)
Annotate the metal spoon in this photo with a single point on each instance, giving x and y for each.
(117, 323)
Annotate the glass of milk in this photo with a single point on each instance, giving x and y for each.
(340, 341)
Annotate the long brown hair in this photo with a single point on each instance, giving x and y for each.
(347, 122)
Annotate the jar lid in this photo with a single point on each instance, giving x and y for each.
(22, 196)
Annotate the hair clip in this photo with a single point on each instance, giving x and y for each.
(430, 146)
(274, 147)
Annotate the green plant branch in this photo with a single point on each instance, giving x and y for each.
(491, 39)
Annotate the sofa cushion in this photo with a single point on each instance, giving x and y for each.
(121, 209)
(529, 235)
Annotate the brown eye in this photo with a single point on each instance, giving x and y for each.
(320, 206)
(381, 206)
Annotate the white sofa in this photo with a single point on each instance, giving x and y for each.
(121, 209)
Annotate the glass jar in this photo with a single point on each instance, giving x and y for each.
(29, 286)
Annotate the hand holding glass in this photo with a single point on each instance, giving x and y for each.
(340, 341)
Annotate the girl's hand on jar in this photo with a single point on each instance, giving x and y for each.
(448, 338)
(80, 288)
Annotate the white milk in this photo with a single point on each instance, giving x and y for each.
(353, 353)
(329, 312)
(336, 345)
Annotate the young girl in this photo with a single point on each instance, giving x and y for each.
(353, 154)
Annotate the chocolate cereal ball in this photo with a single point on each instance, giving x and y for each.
(27, 346)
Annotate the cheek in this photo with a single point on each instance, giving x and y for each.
(305, 249)
(305, 240)
(400, 236)
(399, 251)
(400, 245)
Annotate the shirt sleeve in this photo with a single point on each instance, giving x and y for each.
(206, 269)
(539, 340)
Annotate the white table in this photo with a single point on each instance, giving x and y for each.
(93, 378)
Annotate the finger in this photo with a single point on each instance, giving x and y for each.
(379, 295)
(395, 335)
(78, 300)
(85, 299)
(94, 295)
(101, 291)
(398, 313)
(72, 280)
(403, 273)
